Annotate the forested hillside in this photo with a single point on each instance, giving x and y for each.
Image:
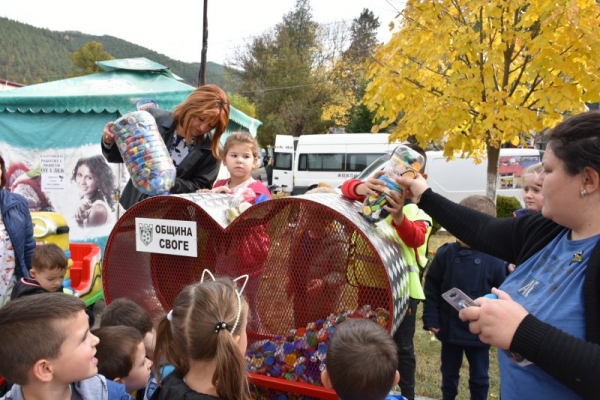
(30, 55)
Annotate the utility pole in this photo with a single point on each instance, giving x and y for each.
(202, 74)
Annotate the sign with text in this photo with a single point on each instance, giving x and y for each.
(52, 167)
(166, 236)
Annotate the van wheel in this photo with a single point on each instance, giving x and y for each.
(311, 188)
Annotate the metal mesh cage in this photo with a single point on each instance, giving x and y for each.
(307, 257)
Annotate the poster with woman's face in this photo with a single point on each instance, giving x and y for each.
(77, 183)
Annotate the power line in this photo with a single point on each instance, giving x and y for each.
(393, 6)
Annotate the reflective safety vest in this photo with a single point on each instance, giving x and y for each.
(416, 259)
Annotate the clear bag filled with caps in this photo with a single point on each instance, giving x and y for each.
(144, 153)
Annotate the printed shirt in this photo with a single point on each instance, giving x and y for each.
(549, 286)
(179, 149)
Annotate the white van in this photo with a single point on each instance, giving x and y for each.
(461, 177)
(283, 162)
(329, 158)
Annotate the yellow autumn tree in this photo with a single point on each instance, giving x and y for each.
(474, 74)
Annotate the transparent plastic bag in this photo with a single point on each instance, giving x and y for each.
(144, 153)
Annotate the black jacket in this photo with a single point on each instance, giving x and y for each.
(472, 271)
(198, 170)
(573, 362)
(174, 388)
(28, 286)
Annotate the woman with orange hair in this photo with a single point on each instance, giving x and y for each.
(191, 133)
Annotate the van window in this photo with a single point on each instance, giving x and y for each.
(321, 162)
(358, 162)
(373, 167)
(283, 161)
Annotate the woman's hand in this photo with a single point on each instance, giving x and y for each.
(83, 212)
(108, 136)
(495, 321)
(414, 187)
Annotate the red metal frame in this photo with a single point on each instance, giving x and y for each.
(319, 392)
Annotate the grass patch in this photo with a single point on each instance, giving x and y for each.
(428, 375)
(427, 351)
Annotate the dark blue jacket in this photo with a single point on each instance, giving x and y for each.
(473, 272)
(17, 220)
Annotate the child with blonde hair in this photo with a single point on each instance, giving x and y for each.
(204, 337)
(532, 192)
(532, 196)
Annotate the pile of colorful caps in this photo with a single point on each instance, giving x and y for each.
(144, 153)
(300, 356)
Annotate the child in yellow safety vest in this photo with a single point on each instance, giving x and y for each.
(413, 227)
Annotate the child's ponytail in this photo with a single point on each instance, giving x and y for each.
(230, 378)
(166, 349)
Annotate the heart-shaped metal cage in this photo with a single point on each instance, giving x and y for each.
(307, 256)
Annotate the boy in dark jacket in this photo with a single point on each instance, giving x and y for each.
(48, 268)
(455, 265)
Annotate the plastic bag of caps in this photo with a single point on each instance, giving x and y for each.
(144, 153)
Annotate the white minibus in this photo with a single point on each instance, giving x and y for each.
(283, 162)
(329, 158)
(459, 178)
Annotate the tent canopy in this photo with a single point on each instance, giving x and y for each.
(115, 92)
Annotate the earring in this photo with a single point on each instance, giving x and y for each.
(583, 192)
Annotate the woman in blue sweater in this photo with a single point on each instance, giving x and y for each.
(547, 316)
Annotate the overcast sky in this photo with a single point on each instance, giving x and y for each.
(174, 27)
